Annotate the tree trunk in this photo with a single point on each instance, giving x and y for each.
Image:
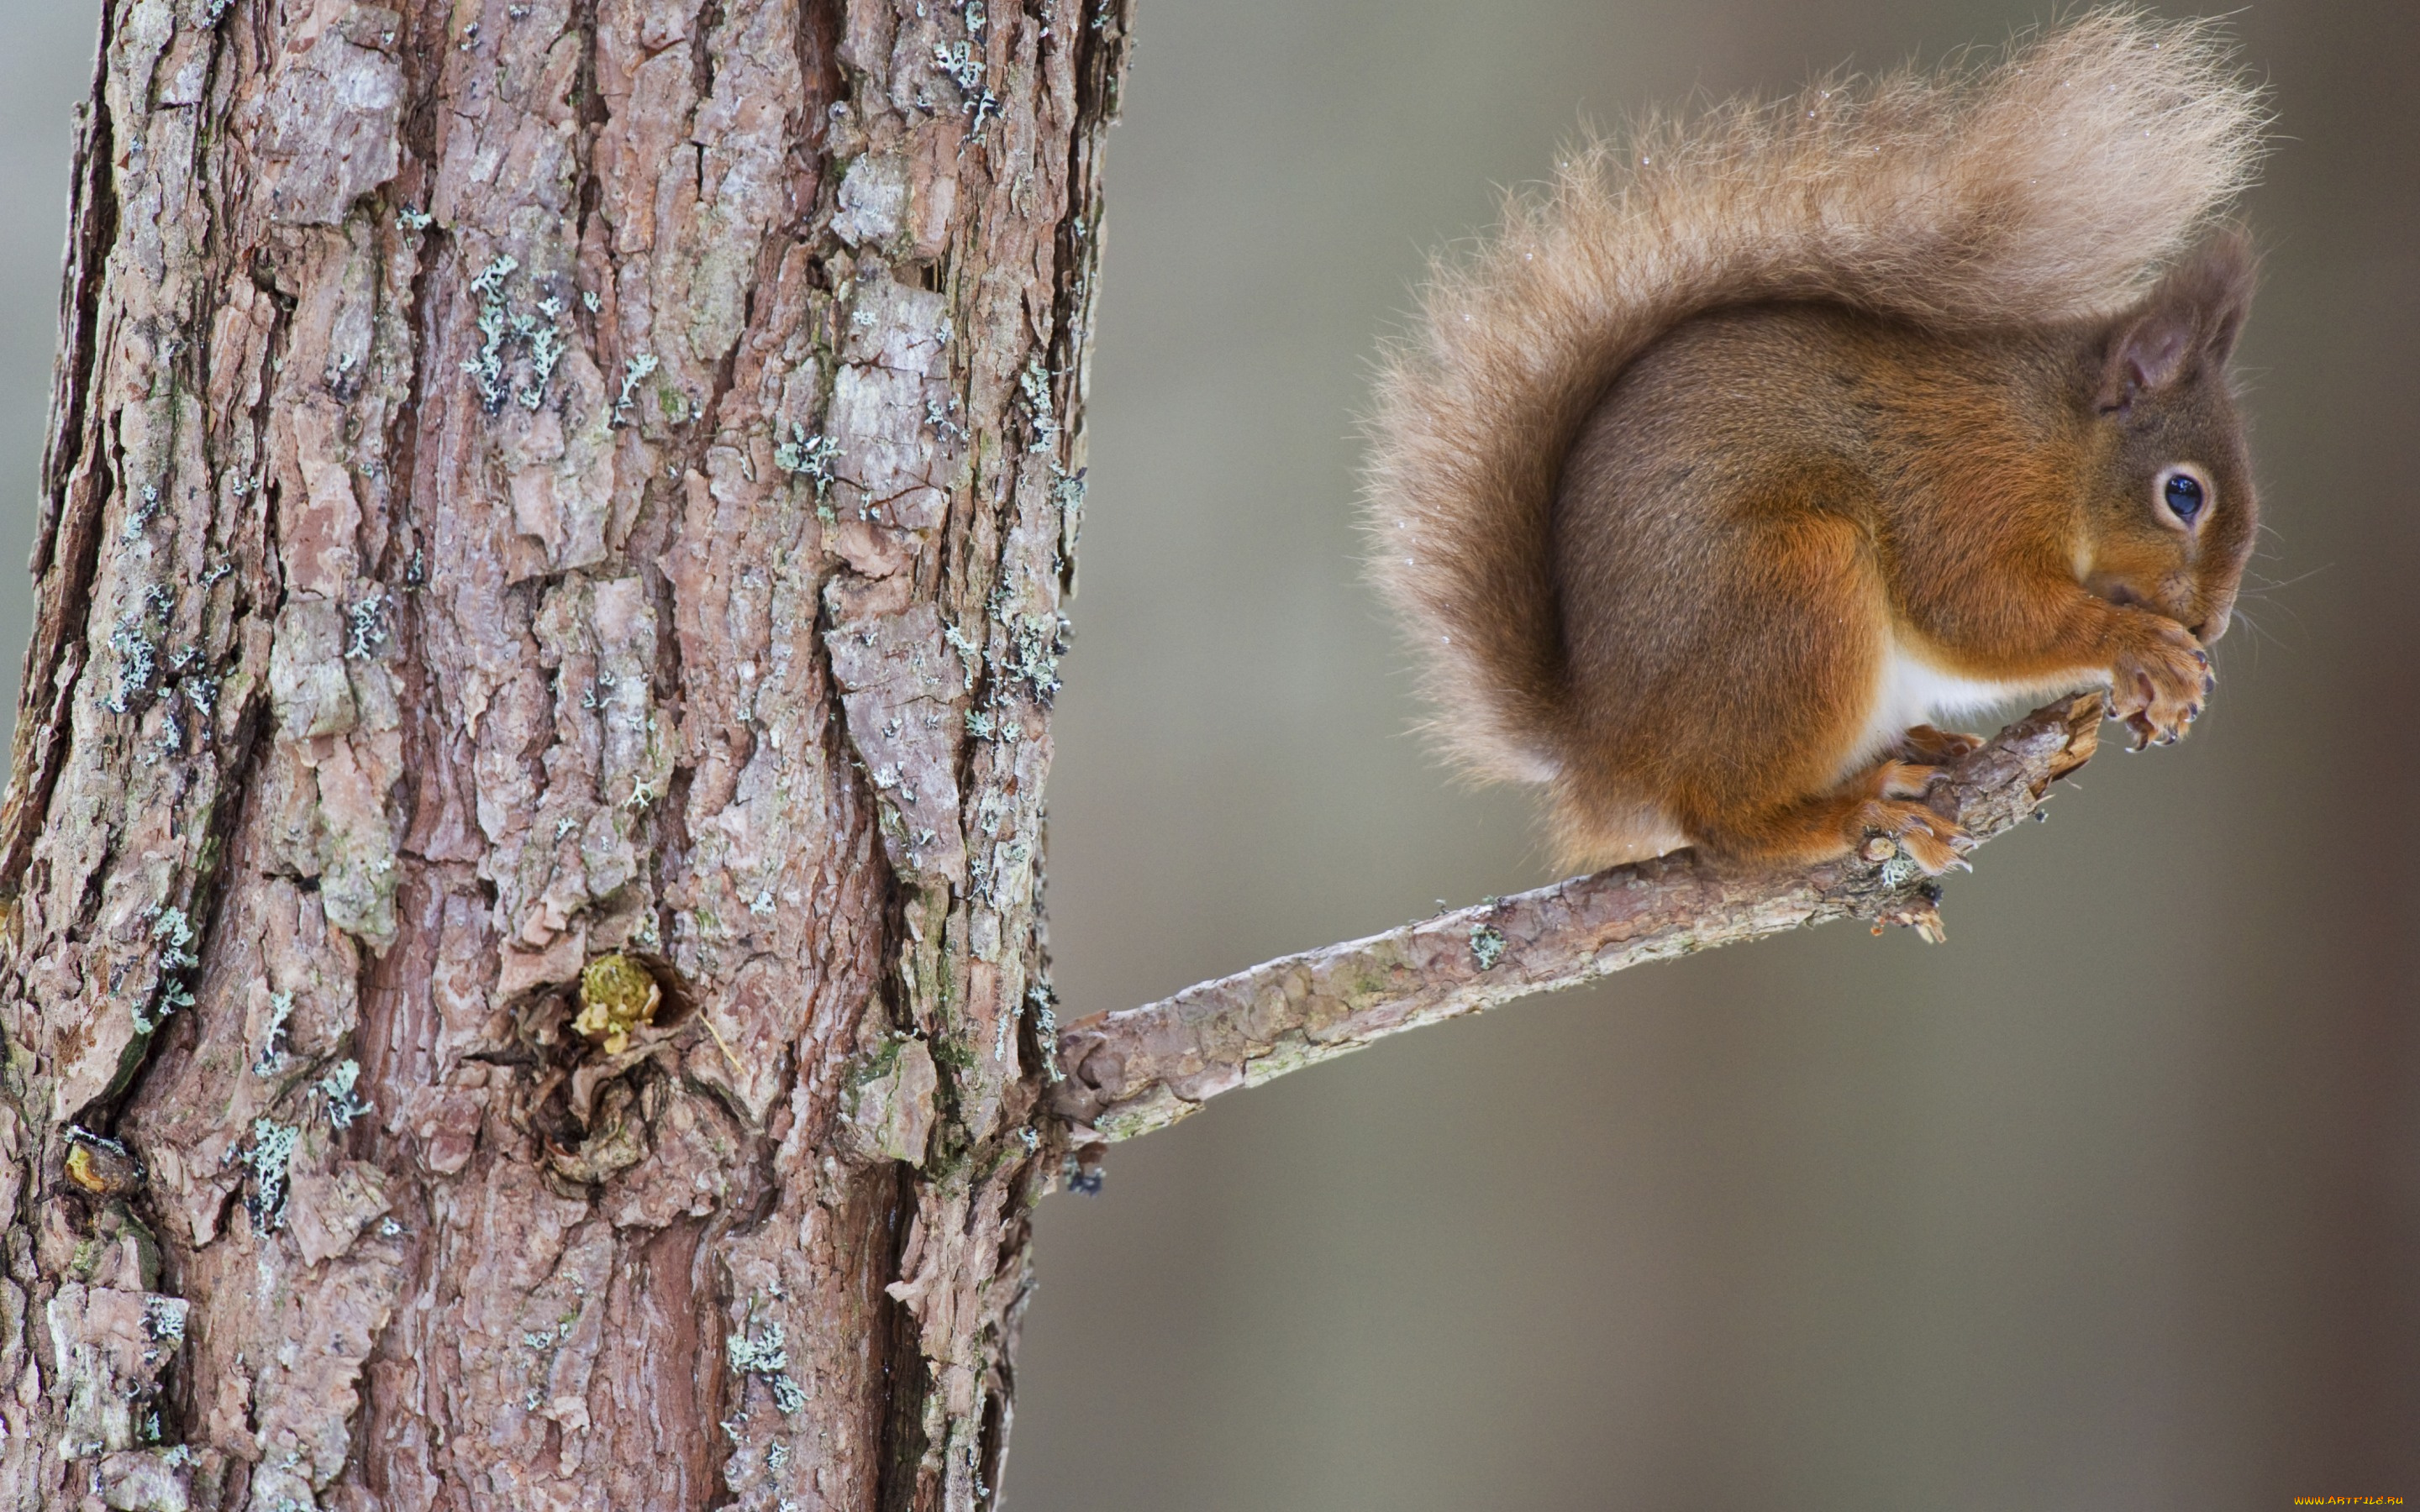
(552, 510)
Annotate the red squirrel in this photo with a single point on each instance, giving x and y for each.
(1759, 443)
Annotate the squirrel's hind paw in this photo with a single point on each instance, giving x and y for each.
(1922, 742)
(1933, 843)
(1886, 799)
(1894, 810)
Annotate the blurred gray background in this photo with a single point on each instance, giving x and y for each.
(2111, 1202)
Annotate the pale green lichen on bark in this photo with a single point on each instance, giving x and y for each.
(639, 506)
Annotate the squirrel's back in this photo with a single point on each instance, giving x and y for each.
(2053, 186)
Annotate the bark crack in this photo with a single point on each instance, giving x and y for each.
(473, 628)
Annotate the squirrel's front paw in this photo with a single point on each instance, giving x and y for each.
(2157, 685)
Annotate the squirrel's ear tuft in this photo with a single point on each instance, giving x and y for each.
(2185, 326)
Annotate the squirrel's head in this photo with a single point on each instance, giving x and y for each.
(2169, 506)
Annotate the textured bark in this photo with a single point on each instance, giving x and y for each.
(533, 484)
(1142, 1069)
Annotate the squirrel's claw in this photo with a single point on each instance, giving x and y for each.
(2159, 683)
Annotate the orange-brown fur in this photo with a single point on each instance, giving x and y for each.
(1747, 409)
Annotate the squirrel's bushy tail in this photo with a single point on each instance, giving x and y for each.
(2050, 185)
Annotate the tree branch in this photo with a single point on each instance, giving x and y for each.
(1142, 1069)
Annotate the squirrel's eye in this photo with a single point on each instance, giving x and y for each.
(2184, 494)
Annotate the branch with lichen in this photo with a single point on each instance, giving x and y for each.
(1131, 1072)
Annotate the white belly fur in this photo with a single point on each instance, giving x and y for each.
(1911, 690)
